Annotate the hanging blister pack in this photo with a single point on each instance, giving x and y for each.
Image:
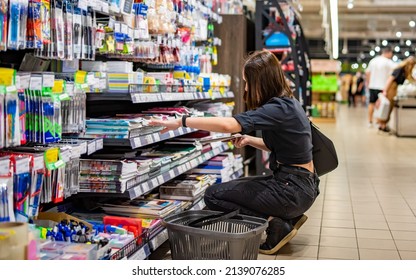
(24, 8)
(6, 191)
(59, 30)
(12, 131)
(21, 189)
(2, 116)
(68, 14)
(14, 25)
(3, 24)
(46, 27)
(77, 25)
(34, 25)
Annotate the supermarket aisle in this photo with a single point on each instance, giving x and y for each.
(367, 207)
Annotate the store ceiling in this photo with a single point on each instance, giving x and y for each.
(362, 27)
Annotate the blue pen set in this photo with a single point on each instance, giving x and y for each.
(12, 131)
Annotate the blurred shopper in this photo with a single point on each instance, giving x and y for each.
(352, 91)
(360, 92)
(401, 73)
(378, 71)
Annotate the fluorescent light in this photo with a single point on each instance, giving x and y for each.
(396, 48)
(406, 53)
(395, 58)
(350, 5)
(412, 23)
(372, 53)
(334, 28)
(398, 34)
(377, 48)
(408, 43)
(384, 43)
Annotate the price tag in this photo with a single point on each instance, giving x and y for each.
(91, 147)
(139, 255)
(22, 165)
(5, 166)
(99, 144)
(145, 187)
(35, 83)
(155, 182)
(83, 148)
(156, 137)
(137, 142)
(194, 162)
(105, 7)
(117, 27)
(180, 168)
(124, 29)
(76, 151)
(160, 179)
(66, 155)
(172, 174)
(171, 134)
(136, 33)
(159, 39)
(38, 163)
(24, 81)
(48, 80)
(188, 165)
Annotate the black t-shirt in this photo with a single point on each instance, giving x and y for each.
(286, 130)
(398, 75)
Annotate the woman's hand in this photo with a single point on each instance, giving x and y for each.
(168, 125)
(242, 141)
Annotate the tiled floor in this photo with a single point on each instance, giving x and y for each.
(367, 207)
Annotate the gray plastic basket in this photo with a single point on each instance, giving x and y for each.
(235, 238)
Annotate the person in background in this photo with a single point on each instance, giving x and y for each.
(352, 90)
(360, 92)
(286, 195)
(377, 73)
(401, 73)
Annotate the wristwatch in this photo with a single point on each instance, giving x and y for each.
(184, 120)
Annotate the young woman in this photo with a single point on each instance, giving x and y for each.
(284, 196)
(402, 72)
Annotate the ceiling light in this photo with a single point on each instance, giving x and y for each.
(364, 65)
(377, 48)
(396, 48)
(350, 6)
(334, 28)
(408, 43)
(398, 34)
(412, 23)
(372, 53)
(384, 43)
(406, 53)
(395, 58)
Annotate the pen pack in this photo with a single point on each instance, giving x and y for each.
(21, 186)
(4, 8)
(34, 25)
(12, 129)
(2, 117)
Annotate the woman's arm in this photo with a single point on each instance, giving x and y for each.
(388, 84)
(255, 142)
(214, 124)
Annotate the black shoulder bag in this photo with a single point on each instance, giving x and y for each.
(325, 157)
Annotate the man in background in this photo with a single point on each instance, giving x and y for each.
(378, 71)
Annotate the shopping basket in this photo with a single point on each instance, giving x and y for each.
(211, 235)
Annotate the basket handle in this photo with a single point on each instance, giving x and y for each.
(209, 220)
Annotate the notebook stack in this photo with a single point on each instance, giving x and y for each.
(189, 187)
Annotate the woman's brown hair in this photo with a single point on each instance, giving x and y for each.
(265, 79)
(408, 65)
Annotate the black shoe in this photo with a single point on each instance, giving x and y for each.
(299, 221)
(386, 129)
(279, 233)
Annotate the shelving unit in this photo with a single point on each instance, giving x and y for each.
(325, 85)
(291, 49)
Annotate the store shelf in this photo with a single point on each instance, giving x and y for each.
(140, 141)
(155, 182)
(157, 97)
(158, 240)
(199, 205)
(237, 174)
(142, 254)
(323, 120)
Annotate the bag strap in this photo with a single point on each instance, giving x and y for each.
(211, 219)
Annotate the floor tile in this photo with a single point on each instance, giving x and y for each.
(371, 225)
(370, 243)
(294, 250)
(266, 257)
(369, 218)
(305, 239)
(338, 253)
(311, 230)
(400, 219)
(407, 255)
(403, 226)
(332, 241)
(338, 232)
(337, 216)
(374, 254)
(406, 245)
(373, 233)
(338, 223)
(403, 235)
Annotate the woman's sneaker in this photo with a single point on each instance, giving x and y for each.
(279, 233)
(299, 221)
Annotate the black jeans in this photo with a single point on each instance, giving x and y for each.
(287, 194)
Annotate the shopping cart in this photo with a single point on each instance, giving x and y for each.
(210, 235)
